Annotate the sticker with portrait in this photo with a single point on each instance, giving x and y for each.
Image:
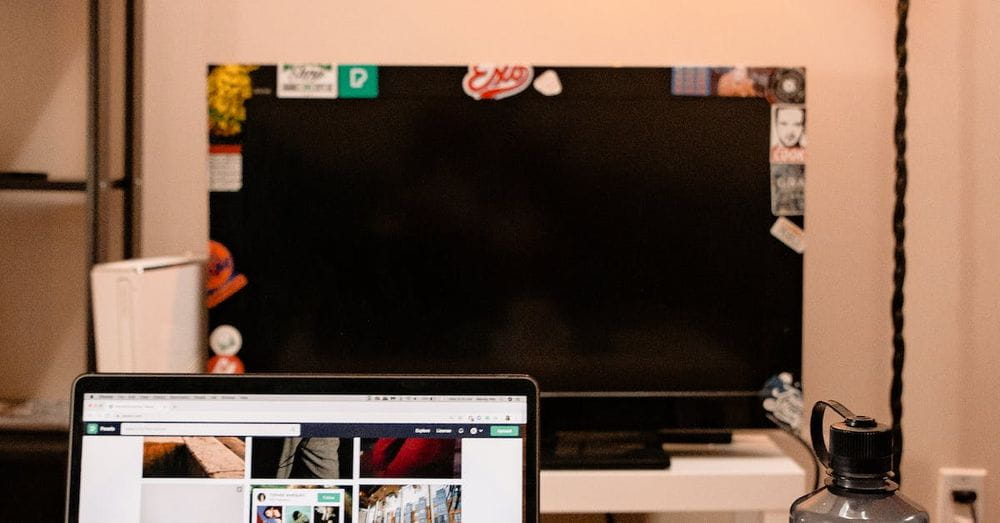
(788, 133)
(788, 184)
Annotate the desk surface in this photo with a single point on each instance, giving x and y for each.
(34, 416)
(749, 475)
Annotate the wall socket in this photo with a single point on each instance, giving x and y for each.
(952, 479)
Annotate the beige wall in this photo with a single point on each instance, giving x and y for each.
(844, 47)
(933, 291)
(847, 48)
(43, 248)
(953, 325)
(979, 254)
(952, 292)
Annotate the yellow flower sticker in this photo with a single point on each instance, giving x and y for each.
(228, 87)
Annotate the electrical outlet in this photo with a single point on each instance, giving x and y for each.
(956, 479)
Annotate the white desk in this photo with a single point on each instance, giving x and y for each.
(751, 477)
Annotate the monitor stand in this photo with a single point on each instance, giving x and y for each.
(721, 437)
(604, 450)
(593, 450)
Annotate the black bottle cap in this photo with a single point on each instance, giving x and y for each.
(860, 421)
(860, 445)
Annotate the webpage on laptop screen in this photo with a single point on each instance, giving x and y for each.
(302, 459)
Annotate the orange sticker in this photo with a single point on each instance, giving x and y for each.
(222, 281)
(225, 365)
(220, 265)
(223, 293)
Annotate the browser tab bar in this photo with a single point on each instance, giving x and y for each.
(299, 409)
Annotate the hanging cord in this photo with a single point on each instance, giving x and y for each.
(899, 232)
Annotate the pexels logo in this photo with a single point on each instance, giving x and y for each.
(494, 82)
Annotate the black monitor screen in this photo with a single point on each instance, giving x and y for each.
(614, 237)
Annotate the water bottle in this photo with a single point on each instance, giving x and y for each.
(859, 468)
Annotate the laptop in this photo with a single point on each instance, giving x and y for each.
(303, 449)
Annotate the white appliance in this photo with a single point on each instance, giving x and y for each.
(148, 315)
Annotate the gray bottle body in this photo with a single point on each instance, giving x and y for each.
(833, 504)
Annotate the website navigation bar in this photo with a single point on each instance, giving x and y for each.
(304, 430)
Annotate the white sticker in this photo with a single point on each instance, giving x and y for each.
(548, 83)
(225, 168)
(495, 82)
(225, 340)
(307, 81)
(790, 234)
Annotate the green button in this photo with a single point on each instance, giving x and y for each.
(92, 428)
(504, 430)
(357, 81)
(329, 497)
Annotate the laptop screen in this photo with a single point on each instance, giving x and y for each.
(301, 458)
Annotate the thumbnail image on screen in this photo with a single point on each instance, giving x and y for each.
(411, 458)
(300, 504)
(193, 457)
(302, 458)
(417, 503)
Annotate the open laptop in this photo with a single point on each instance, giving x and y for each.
(303, 449)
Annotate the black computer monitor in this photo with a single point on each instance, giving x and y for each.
(613, 240)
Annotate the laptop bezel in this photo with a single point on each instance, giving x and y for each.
(520, 385)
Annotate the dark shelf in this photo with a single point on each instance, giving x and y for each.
(41, 185)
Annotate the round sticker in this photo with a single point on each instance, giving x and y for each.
(220, 265)
(221, 280)
(225, 365)
(789, 86)
(225, 340)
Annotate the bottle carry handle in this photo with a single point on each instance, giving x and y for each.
(816, 427)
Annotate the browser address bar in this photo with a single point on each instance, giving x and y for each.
(210, 429)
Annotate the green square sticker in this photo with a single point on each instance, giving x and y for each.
(92, 428)
(357, 81)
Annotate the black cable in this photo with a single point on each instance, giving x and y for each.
(128, 152)
(899, 233)
(93, 166)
